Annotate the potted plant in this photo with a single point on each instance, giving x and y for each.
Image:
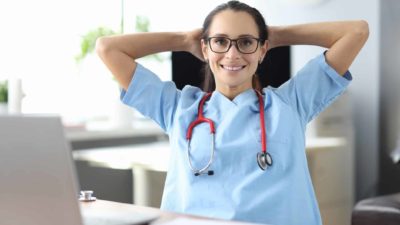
(3, 97)
(122, 116)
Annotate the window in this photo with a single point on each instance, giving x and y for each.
(42, 37)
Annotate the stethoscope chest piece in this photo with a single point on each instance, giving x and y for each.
(264, 160)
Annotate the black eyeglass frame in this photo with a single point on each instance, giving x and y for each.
(236, 45)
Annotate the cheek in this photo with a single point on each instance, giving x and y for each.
(252, 61)
(214, 59)
(253, 58)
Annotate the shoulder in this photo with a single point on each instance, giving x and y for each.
(190, 95)
(274, 97)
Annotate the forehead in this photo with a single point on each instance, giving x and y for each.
(233, 24)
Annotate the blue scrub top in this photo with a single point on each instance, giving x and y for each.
(239, 189)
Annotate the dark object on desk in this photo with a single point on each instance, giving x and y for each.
(273, 71)
(382, 210)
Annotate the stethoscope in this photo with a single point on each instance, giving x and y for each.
(264, 159)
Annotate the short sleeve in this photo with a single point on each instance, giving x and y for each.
(313, 88)
(152, 97)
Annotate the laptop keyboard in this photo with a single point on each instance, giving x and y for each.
(97, 217)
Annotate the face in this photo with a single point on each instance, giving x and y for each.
(233, 70)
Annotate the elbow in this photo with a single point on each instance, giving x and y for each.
(362, 30)
(102, 46)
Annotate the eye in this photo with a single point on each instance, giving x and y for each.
(246, 41)
(219, 41)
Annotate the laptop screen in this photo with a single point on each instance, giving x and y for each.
(37, 174)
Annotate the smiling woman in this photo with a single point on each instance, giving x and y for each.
(221, 169)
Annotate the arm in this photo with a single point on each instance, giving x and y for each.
(120, 51)
(343, 39)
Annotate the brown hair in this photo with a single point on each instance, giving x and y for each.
(237, 6)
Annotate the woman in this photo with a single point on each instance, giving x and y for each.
(258, 171)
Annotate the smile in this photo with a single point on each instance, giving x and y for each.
(232, 68)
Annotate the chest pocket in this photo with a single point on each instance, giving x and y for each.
(281, 156)
(278, 147)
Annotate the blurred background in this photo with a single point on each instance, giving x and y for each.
(47, 66)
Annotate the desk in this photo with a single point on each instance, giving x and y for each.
(103, 206)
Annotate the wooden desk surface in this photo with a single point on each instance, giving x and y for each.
(102, 205)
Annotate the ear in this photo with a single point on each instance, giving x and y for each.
(204, 49)
(264, 49)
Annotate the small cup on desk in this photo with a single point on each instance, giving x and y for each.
(87, 196)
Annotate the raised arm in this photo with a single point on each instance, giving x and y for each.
(343, 39)
(120, 51)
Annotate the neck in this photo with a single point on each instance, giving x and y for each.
(231, 92)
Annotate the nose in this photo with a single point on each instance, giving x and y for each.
(233, 51)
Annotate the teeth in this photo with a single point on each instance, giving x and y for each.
(233, 68)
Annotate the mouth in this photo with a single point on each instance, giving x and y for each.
(232, 68)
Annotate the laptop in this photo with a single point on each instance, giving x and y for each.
(38, 182)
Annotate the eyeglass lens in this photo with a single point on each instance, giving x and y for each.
(245, 45)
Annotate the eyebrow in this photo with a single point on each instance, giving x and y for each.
(225, 35)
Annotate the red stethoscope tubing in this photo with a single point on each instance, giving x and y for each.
(262, 123)
(201, 119)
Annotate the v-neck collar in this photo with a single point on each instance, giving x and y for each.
(247, 96)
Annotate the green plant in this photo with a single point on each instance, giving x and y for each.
(88, 41)
(3, 92)
(142, 24)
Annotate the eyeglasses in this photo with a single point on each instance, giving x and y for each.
(245, 45)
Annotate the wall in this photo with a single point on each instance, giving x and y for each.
(389, 95)
(364, 90)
